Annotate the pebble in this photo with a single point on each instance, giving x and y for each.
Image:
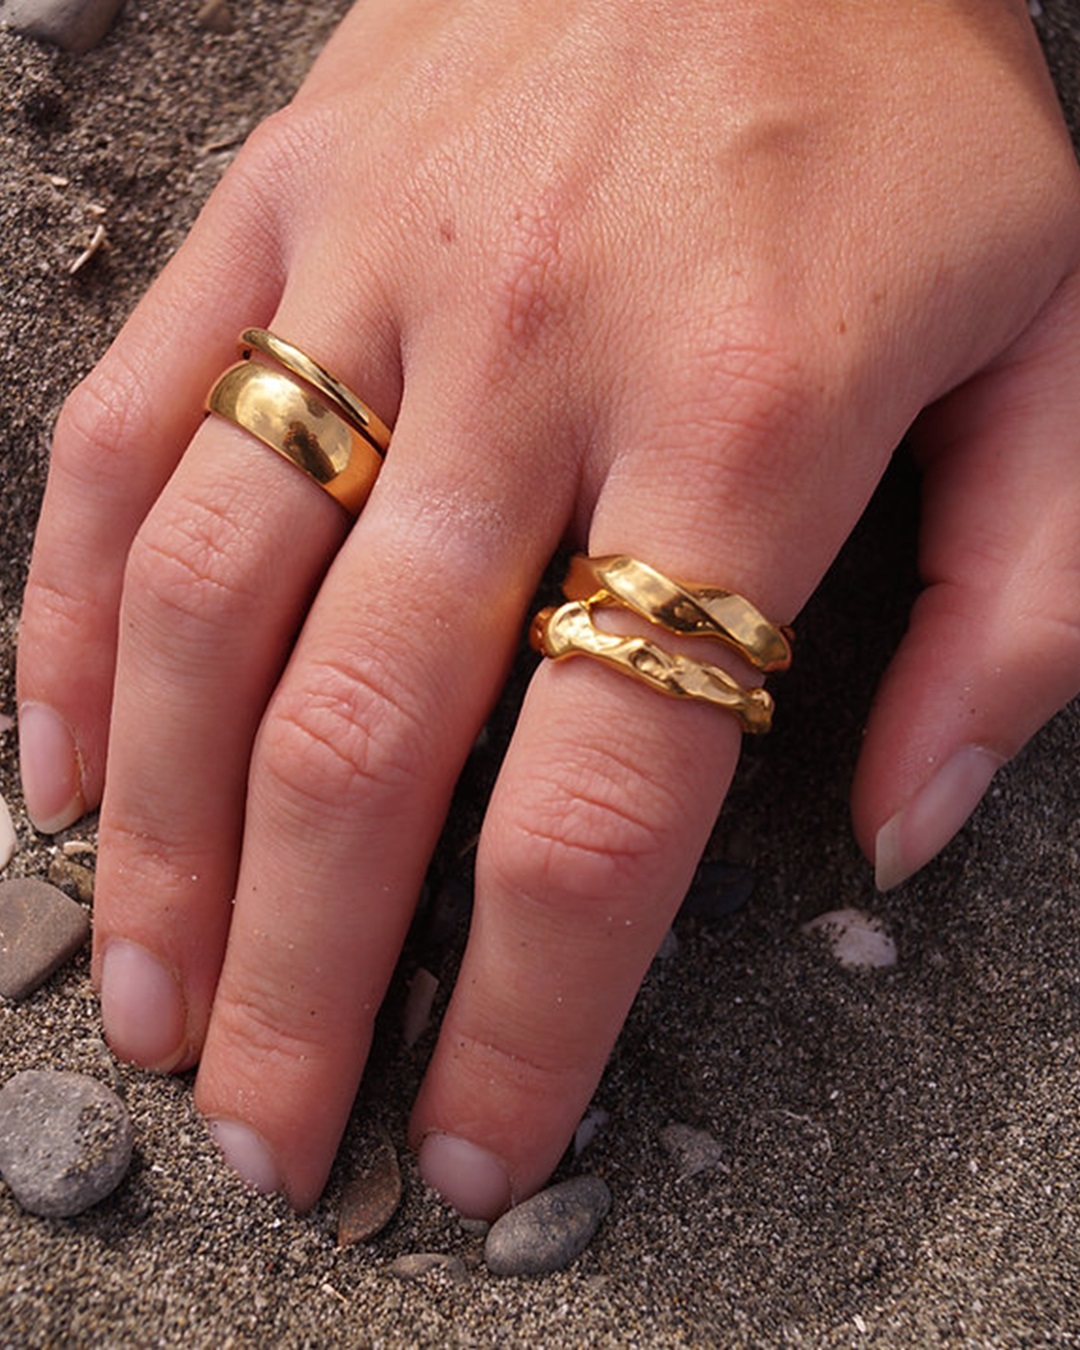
(75, 25)
(8, 841)
(216, 16)
(74, 878)
(548, 1231)
(40, 929)
(371, 1197)
(65, 1141)
(691, 1150)
(719, 888)
(419, 1265)
(855, 938)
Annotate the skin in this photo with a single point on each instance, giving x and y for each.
(668, 279)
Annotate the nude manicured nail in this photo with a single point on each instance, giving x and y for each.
(247, 1154)
(49, 760)
(468, 1177)
(142, 1007)
(921, 829)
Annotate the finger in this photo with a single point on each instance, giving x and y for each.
(216, 583)
(118, 438)
(608, 794)
(399, 661)
(993, 649)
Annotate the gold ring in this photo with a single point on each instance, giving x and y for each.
(685, 610)
(353, 409)
(301, 426)
(689, 610)
(570, 631)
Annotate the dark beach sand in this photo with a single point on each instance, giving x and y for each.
(901, 1150)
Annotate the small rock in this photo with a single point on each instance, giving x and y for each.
(855, 938)
(217, 17)
(40, 929)
(65, 1141)
(75, 25)
(691, 1150)
(419, 1265)
(548, 1231)
(8, 841)
(74, 878)
(371, 1197)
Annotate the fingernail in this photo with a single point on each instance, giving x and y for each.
(247, 1154)
(468, 1177)
(49, 761)
(921, 829)
(142, 1007)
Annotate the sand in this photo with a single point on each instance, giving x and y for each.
(899, 1153)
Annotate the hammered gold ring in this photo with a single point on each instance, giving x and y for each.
(306, 415)
(686, 610)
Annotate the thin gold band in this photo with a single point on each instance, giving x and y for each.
(338, 395)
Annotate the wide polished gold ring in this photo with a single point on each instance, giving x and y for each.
(353, 409)
(300, 425)
(688, 611)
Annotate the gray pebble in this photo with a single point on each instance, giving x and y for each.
(693, 1151)
(75, 25)
(40, 929)
(65, 1141)
(548, 1231)
(419, 1265)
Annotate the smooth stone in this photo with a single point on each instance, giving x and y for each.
(73, 878)
(75, 25)
(65, 1141)
(691, 1150)
(40, 929)
(855, 938)
(419, 1265)
(371, 1197)
(216, 17)
(8, 840)
(548, 1231)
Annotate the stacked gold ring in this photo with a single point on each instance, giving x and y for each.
(687, 610)
(305, 414)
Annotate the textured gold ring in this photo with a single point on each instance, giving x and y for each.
(300, 425)
(340, 396)
(684, 610)
(678, 606)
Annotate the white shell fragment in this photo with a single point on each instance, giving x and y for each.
(416, 1015)
(8, 841)
(855, 938)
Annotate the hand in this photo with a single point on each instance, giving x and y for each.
(668, 279)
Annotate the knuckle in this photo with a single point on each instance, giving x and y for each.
(68, 613)
(93, 430)
(282, 154)
(340, 729)
(580, 843)
(184, 563)
(268, 1033)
